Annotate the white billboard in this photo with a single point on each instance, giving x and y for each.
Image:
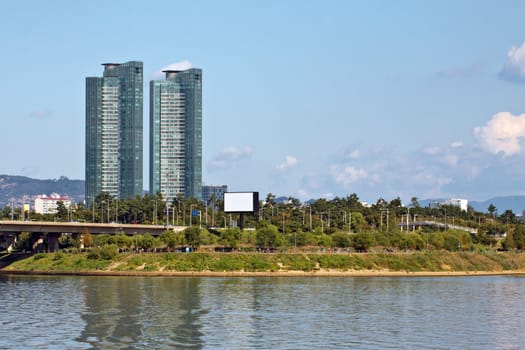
(241, 202)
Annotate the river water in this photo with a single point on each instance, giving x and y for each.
(262, 313)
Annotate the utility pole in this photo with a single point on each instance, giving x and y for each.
(406, 234)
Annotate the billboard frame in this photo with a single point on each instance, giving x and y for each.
(243, 207)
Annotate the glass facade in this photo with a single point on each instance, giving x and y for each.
(176, 134)
(217, 192)
(114, 129)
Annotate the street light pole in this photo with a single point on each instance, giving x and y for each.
(283, 222)
(406, 234)
(310, 219)
(155, 213)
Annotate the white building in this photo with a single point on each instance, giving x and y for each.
(48, 205)
(461, 203)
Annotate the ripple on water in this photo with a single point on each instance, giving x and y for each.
(261, 313)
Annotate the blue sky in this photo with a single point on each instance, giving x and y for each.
(305, 98)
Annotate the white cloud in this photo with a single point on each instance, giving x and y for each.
(450, 159)
(429, 183)
(447, 170)
(229, 155)
(302, 193)
(354, 154)
(514, 67)
(431, 150)
(182, 65)
(289, 162)
(431, 180)
(40, 114)
(461, 72)
(233, 152)
(347, 175)
(502, 134)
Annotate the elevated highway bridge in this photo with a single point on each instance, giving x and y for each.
(416, 224)
(9, 230)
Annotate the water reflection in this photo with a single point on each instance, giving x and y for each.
(142, 313)
(39, 313)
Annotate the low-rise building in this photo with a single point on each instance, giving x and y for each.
(48, 204)
(461, 203)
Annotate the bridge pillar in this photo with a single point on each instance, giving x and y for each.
(7, 240)
(52, 241)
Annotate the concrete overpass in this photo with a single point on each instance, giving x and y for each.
(9, 230)
(416, 224)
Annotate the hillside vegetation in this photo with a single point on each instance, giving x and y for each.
(279, 262)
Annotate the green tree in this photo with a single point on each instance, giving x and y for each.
(508, 217)
(231, 237)
(5, 213)
(172, 239)
(24, 241)
(270, 199)
(269, 237)
(519, 236)
(68, 241)
(358, 222)
(457, 240)
(341, 240)
(492, 209)
(192, 236)
(324, 240)
(508, 243)
(146, 242)
(363, 241)
(395, 203)
(62, 211)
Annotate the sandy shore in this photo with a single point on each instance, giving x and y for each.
(319, 273)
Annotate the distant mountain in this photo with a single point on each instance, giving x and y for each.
(23, 189)
(514, 203)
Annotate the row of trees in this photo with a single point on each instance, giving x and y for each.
(267, 238)
(324, 223)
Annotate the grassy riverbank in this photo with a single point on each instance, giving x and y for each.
(248, 263)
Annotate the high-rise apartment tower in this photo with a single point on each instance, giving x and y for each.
(176, 134)
(114, 118)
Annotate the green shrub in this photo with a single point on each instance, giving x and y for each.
(363, 241)
(58, 256)
(106, 252)
(341, 240)
(39, 256)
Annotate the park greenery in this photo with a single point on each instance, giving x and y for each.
(107, 260)
(340, 224)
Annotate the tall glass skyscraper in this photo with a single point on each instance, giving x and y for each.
(114, 114)
(176, 134)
